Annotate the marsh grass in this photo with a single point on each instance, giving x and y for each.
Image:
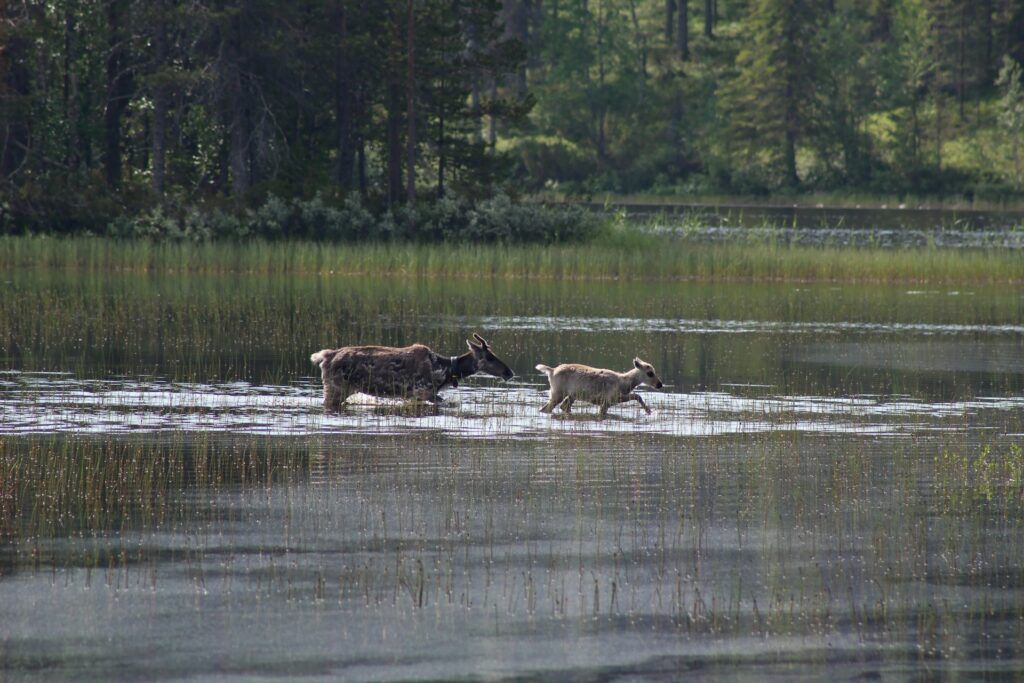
(57, 487)
(619, 254)
(773, 536)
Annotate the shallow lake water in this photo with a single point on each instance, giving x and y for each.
(830, 484)
(888, 226)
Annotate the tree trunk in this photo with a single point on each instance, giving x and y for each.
(364, 185)
(410, 103)
(474, 107)
(938, 123)
(394, 107)
(440, 146)
(160, 103)
(709, 18)
(234, 100)
(602, 108)
(641, 41)
(670, 20)
(986, 27)
(522, 33)
(492, 134)
(118, 91)
(71, 157)
(16, 86)
(915, 136)
(474, 92)
(241, 171)
(343, 101)
(394, 140)
(683, 30)
(961, 59)
(789, 151)
(675, 127)
(534, 34)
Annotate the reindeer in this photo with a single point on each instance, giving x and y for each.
(408, 372)
(571, 382)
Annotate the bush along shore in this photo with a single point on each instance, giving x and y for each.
(456, 237)
(451, 218)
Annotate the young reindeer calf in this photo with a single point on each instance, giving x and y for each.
(571, 382)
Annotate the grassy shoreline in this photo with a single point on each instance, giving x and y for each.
(807, 200)
(610, 257)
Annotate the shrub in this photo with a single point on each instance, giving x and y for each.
(451, 218)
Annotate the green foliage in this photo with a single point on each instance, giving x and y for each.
(450, 219)
(1011, 113)
(114, 108)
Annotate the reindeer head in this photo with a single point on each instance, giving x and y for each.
(487, 361)
(650, 377)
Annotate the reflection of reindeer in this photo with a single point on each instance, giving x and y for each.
(408, 372)
(571, 382)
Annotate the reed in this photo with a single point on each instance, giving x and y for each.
(795, 536)
(613, 256)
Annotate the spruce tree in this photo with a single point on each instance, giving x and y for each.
(771, 98)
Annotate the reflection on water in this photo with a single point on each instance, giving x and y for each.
(831, 484)
(578, 324)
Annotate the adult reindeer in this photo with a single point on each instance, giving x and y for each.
(408, 372)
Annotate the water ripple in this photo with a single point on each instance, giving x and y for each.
(542, 323)
(40, 403)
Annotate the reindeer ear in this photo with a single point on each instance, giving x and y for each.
(636, 363)
(483, 342)
(472, 347)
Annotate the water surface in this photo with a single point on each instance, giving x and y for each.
(831, 484)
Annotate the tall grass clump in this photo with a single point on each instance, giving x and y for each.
(56, 487)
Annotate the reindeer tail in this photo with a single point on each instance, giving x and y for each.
(543, 368)
(320, 356)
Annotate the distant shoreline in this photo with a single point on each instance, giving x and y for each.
(811, 201)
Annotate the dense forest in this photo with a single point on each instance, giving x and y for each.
(116, 107)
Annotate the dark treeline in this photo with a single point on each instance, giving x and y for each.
(115, 106)
(758, 96)
(123, 102)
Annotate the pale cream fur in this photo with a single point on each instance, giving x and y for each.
(571, 382)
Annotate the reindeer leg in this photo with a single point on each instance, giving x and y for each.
(333, 397)
(636, 397)
(556, 398)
